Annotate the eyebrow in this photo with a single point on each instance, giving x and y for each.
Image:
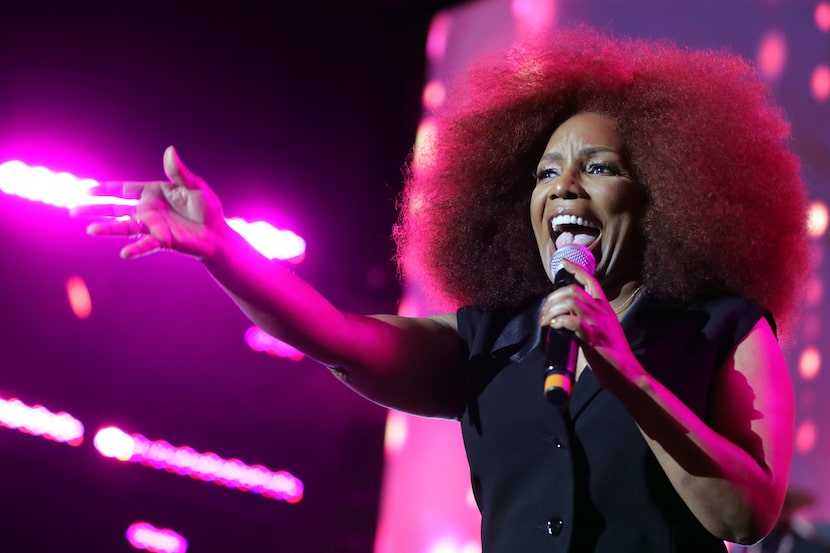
(585, 151)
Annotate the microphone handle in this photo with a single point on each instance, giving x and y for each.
(561, 348)
(560, 364)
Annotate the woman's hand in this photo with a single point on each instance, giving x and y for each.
(181, 214)
(587, 313)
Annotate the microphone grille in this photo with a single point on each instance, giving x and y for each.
(575, 253)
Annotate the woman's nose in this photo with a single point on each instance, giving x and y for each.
(568, 186)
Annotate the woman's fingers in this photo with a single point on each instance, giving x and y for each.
(569, 301)
(126, 190)
(121, 226)
(587, 280)
(102, 210)
(146, 245)
(178, 173)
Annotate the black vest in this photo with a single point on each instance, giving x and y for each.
(582, 479)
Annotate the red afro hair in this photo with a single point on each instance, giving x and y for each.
(726, 211)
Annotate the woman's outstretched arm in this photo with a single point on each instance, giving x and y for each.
(411, 364)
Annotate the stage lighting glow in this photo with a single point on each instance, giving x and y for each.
(209, 467)
(809, 364)
(42, 185)
(79, 299)
(40, 421)
(772, 55)
(451, 545)
(270, 241)
(437, 37)
(424, 144)
(434, 94)
(395, 435)
(820, 83)
(112, 442)
(817, 219)
(143, 535)
(533, 16)
(822, 15)
(813, 290)
(259, 340)
(64, 190)
(806, 436)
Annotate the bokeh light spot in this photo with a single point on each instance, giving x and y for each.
(438, 36)
(822, 16)
(112, 442)
(143, 535)
(270, 241)
(533, 16)
(79, 299)
(814, 290)
(817, 219)
(820, 83)
(772, 55)
(37, 420)
(434, 94)
(805, 436)
(809, 364)
(395, 435)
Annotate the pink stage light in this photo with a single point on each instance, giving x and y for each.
(42, 185)
(818, 218)
(772, 55)
(434, 94)
(437, 37)
(809, 364)
(820, 83)
(533, 16)
(64, 190)
(209, 467)
(822, 16)
(271, 242)
(79, 299)
(806, 435)
(40, 421)
(259, 340)
(143, 535)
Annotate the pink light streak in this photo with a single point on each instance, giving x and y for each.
(209, 467)
(40, 421)
(65, 190)
(270, 241)
(39, 184)
(143, 535)
(259, 340)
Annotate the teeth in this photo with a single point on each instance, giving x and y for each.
(557, 222)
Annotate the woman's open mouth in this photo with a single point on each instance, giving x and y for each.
(572, 229)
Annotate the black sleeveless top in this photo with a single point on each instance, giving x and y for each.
(581, 478)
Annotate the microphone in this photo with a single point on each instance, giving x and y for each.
(559, 344)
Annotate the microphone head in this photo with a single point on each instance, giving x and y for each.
(575, 253)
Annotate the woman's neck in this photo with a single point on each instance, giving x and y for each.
(625, 297)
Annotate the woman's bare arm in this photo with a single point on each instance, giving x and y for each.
(412, 364)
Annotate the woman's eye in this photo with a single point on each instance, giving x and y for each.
(600, 169)
(547, 173)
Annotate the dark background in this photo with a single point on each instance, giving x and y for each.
(300, 114)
